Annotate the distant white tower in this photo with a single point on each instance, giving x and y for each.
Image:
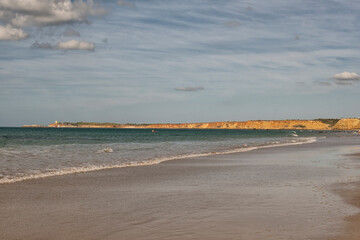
(56, 122)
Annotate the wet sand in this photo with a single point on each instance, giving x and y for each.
(350, 193)
(293, 192)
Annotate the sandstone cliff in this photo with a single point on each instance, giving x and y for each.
(324, 124)
(347, 124)
(280, 124)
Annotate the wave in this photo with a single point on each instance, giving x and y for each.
(106, 150)
(293, 134)
(154, 161)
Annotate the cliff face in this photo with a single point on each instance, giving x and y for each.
(280, 124)
(343, 124)
(96, 126)
(347, 124)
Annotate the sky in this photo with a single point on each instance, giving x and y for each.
(167, 61)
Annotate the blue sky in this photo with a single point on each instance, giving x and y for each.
(178, 61)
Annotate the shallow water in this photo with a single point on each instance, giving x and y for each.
(27, 153)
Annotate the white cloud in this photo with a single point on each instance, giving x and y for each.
(68, 45)
(47, 12)
(11, 33)
(34, 13)
(346, 76)
(189, 89)
(75, 45)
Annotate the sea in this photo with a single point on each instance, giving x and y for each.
(29, 153)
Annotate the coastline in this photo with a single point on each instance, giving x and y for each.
(270, 193)
(155, 161)
(318, 124)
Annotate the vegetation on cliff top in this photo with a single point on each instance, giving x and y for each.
(330, 121)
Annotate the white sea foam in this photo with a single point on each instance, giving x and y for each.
(293, 134)
(106, 150)
(70, 170)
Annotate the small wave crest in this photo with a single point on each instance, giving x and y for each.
(293, 134)
(65, 171)
(106, 150)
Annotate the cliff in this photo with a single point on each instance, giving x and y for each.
(279, 124)
(347, 124)
(320, 124)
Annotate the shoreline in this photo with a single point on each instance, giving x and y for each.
(269, 193)
(150, 162)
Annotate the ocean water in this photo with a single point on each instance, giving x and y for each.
(27, 153)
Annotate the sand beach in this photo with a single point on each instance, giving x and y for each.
(307, 191)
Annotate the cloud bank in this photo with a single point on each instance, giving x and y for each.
(21, 13)
(16, 14)
(10, 33)
(67, 45)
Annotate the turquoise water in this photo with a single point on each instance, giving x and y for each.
(27, 153)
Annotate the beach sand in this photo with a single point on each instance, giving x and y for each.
(350, 193)
(305, 191)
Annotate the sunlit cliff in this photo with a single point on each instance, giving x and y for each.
(321, 124)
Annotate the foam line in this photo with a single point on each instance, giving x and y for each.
(71, 170)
